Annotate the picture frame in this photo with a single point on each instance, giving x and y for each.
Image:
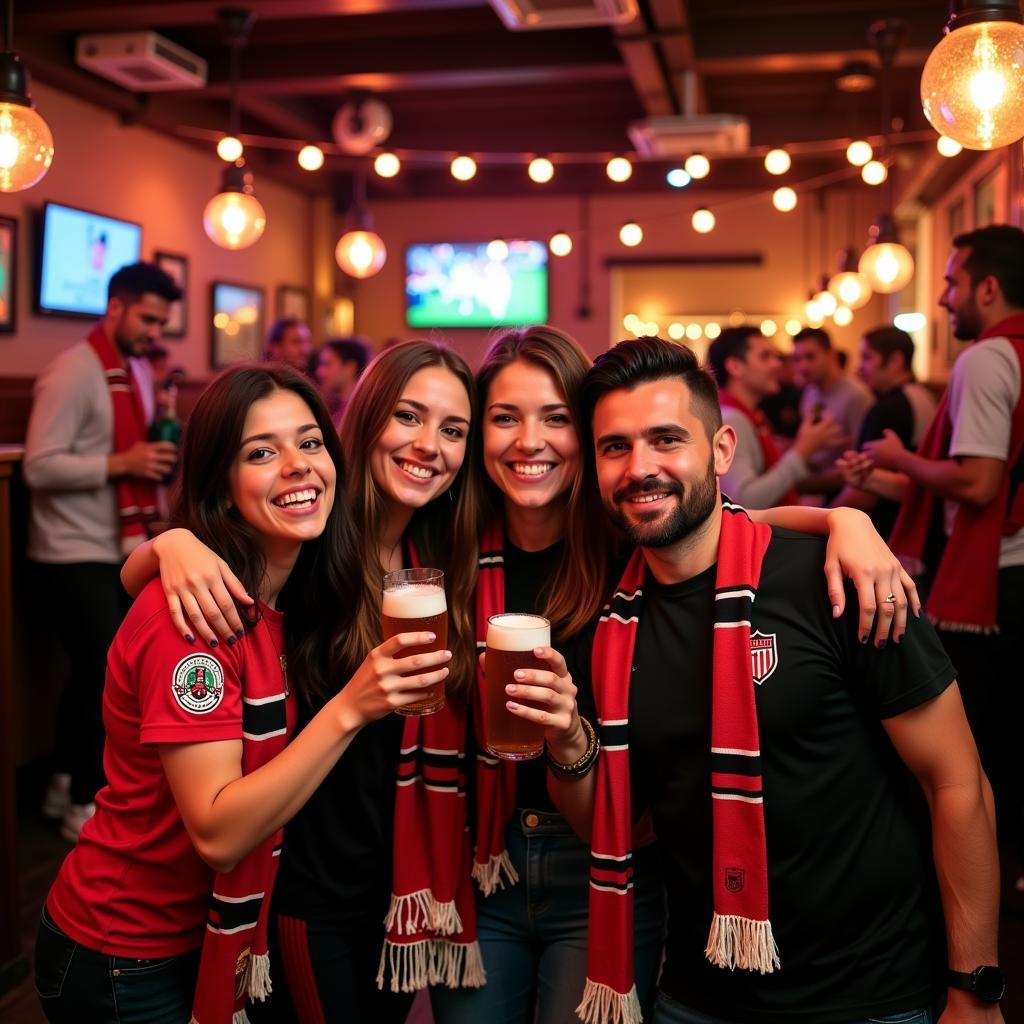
(8, 275)
(175, 266)
(293, 301)
(236, 323)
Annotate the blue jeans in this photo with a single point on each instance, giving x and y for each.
(533, 935)
(668, 1011)
(76, 984)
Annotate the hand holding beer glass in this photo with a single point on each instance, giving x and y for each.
(414, 602)
(519, 658)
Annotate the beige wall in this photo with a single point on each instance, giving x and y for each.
(163, 184)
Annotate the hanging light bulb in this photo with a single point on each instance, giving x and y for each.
(849, 285)
(631, 234)
(843, 316)
(784, 199)
(560, 244)
(541, 170)
(697, 165)
(972, 88)
(234, 218)
(677, 177)
(886, 263)
(311, 158)
(26, 145)
(230, 149)
(777, 161)
(874, 172)
(676, 330)
(859, 152)
(463, 168)
(769, 328)
(387, 165)
(703, 221)
(360, 251)
(947, 146)
(619, 169)
(825, 302)
(811, 311)
(793, 327)
(712, 330)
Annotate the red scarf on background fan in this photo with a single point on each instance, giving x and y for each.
(235, 965)
(136, 499)
(431, 922)
(769, 449)
(965, 600)
(741, 933)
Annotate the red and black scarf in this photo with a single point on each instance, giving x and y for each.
(234, 965)
(431, 922)
(765, 437)
(136, 499)
(959, 600)
(741, 933)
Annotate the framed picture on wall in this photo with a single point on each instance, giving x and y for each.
(176, 267)
(293, 301)
(8, 274)
(236, 323)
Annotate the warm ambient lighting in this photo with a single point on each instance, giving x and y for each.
(676, 331)
(843, 316)
(793, 327)
(234, 218)
(769, 328)
(874, 172)
(631, 321)
(850, 286)
(972, 87)
(886, 264)
(360, 253)
(694, 332)
(560, 244)
(497, 250)
(387, 165)
(631, 234)
(463, 168)
(712, 330)
(777, 161)
(619, 169)
(541, 170)
(311, 158)
(947, 146)
(784, 199)
(230, 149)
(859, 152)
(910, 322)
(26, 145)
(678, 178)
(703, 221)
(697, 165)
(826, 302)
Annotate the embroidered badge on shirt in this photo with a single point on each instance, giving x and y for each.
(764, 655)
(198, 683)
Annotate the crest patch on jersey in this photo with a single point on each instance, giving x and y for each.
(198, 683)
(764, 655)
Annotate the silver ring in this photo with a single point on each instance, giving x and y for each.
(891, 599)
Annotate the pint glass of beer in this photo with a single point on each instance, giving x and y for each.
(414, 602)
(511, 639)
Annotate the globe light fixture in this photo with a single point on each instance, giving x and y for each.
(874, 172)
(234, 218)
(972, 86)
(849, 285)
(793, 327)
(886, 263)
(910, 322)
(784, 199)
(631, 321)
(387, 165)
(824, 299)
(843, 316)
(230, 149)
(694, 332)
(360, 251)
(677, 331)
(631, 234)
(769, 328)
(678, 178)
(541, 170)
(560, 244)
(463, 168)
(26, 144)
(497, 250)
(619, 169)
(859, 152)
(777, 161)
(311, 158)
(703, 221)
(712, 330)
(697, 166)
(947, 146)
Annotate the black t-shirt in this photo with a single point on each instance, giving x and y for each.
(852, 896)
(892, 411)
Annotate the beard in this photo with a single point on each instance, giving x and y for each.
(966, 322)
(694, 508)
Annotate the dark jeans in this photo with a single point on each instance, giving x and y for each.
(90, 603)
(668, 1011)
(76, 984)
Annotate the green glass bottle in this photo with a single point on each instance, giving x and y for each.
(166, 426)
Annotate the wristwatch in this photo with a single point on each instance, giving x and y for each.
(987, 983)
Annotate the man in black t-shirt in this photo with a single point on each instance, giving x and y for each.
(844, 729)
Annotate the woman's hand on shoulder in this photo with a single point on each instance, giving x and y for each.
(200, 588)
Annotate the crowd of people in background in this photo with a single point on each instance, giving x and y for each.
(823, 851)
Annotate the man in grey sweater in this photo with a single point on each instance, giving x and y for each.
(72, 467)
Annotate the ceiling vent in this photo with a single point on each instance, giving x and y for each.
(141, 61)
(681, 136)
(533, 14)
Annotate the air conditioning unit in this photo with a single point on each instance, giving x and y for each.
(668, 136)
(141, 61)
(532, 14)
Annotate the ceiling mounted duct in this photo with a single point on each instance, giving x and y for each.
(141, 61)
(539, 14)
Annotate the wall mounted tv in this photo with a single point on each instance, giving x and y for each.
(79, 251)
(476, 284)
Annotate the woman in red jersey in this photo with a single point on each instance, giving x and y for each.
(159, 913)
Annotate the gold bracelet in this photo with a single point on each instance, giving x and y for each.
(583, 764)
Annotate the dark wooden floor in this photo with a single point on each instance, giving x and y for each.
(42, 850)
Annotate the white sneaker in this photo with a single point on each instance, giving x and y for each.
(74, 818)
(58, 796)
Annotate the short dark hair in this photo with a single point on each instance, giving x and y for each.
(350, 350)
(732, 343)
(280, 325)
(996, 251)
(133, 281)
(818, 335)
(644, 360)
(888, 341)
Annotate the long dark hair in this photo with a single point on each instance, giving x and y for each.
(317, 599)
(445, 531)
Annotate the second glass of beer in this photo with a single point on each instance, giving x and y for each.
(414, 602)
(511, 639)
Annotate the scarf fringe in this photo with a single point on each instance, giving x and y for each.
(457, 964)
(419, 911)
(488, 876)
(259, 983)
(740, 942)
(965, 627)
(415, 965)
(603, 1005)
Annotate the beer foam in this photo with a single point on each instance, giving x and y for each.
(414, 601)
(518, 632)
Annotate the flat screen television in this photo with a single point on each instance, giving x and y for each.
(476, 284)
(79, 252)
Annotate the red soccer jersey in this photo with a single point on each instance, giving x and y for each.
(134, 885)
